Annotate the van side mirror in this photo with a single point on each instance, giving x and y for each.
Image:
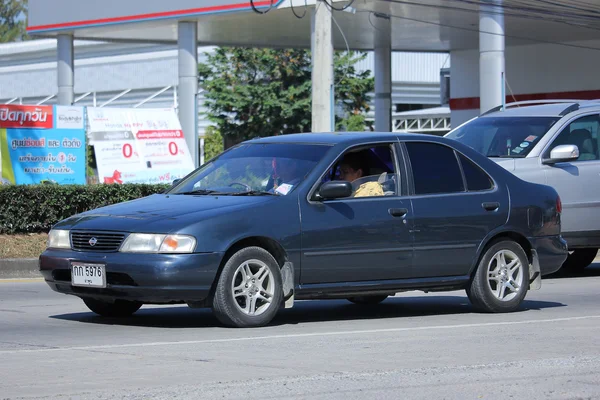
(335, 190)
(563, 153)
(176, 181)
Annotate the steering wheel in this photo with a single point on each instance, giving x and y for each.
(247, 187)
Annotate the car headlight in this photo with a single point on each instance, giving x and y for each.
(155, 243)
(59, 239)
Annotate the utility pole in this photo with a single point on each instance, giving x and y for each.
(491, 55)
(322, 69)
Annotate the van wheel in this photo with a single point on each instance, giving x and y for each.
(502, 278)
(579, 259)
(249, 289)
(120, 308)
(365, 300)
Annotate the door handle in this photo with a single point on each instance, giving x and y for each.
(398, 212)
(490, 206)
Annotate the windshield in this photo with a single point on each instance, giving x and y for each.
(254, 169)
(503, 136)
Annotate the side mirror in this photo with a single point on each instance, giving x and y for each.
(563, 153)
(176, 181)
(335, 190)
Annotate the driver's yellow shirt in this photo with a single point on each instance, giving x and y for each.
(369, 189)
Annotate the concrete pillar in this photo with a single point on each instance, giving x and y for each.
(491, 55)
(65, 71)
(322, 70)
(187, 91)
(383, 73)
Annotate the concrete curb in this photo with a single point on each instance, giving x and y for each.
(19, 268)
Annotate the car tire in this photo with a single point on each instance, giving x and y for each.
(120, 308)
(367, 300)
(249, 289)
(580, 259)
(486, 291)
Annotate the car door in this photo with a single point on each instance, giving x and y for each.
(358, 239)
(455, 205)
(578, 182)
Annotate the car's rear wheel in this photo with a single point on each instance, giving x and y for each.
(120, 308)
(366, 300)
(249, 289)
(579, 259)
(502, 278)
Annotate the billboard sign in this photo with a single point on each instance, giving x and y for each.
(42, 143)
(138, 145)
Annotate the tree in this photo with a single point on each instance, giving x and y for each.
(266, 92)
(352, 90)
(13, 20)
(213, 143)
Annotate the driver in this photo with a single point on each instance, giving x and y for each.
(353, 167)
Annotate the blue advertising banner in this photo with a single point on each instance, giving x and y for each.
(42, 143)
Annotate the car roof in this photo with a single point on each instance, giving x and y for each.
(333, 138)
(549, 108)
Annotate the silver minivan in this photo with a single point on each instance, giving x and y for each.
(553, 142)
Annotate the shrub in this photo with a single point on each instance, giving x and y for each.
(35, 208)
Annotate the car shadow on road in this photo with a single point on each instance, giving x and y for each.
(303, 312)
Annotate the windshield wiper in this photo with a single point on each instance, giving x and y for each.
(255, 193)
(201, 192)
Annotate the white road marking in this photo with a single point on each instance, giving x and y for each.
(20, 280)
(298, 335)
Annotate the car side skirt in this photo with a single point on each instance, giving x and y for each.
(390, 287)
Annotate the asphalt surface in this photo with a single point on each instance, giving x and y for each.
(413, 346)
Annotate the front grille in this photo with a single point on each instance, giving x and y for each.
(112, 278)
(61, 275)
(104, 242)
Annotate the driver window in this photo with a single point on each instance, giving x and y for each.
(371, 171)
(583, 133)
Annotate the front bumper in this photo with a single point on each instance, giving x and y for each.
(552, 252)
(148, 278)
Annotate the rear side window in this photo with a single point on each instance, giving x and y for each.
(435, 168)
(477, 179)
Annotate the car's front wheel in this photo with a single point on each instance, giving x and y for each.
(120, 308)
(502, 278)
(579, 259)
(249, 289)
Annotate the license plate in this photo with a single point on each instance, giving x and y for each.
(89, 275)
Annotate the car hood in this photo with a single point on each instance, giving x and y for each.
(506, 163)
(146, 214)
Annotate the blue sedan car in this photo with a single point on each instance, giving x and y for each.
(358, 216)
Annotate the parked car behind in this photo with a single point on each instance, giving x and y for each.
(277, 219)
(555, 143)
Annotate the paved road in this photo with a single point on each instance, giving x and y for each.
(413, 346)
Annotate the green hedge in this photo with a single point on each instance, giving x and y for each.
(35, 208)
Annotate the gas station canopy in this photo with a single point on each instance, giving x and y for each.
(429, 25)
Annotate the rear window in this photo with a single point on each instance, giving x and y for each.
(510, 137)
(477, 179)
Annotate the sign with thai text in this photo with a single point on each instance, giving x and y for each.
(42, 143)
(138, 145)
